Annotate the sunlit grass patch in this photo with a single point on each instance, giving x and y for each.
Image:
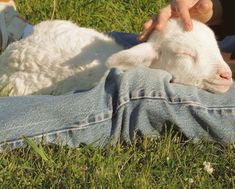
(168, 162)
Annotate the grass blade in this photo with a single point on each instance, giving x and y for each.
(37, 149)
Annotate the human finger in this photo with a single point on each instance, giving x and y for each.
(182, 9)
(145, 34)
(162, 18)
(148, 29)
(157, 22)
(148, 24)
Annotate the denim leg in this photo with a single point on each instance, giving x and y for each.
(127, 40)
(140, 100)
(149, 100)
(28, 30)
(71, 119)
(228, 44)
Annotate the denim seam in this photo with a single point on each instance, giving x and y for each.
(189, 103)
(47, 134)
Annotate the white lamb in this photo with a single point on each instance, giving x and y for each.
(60, 57)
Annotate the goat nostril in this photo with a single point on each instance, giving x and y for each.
(226, 75)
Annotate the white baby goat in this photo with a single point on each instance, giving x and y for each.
(60, 56)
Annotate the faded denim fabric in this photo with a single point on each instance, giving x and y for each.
(128, 40)
(228, 44)
(140, 100)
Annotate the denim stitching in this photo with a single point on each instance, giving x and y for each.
(170, 100)
(89, 120)
(12, 143)
(102, 117)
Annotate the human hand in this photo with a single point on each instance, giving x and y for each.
(185, 9)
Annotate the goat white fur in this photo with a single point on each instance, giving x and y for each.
(60, 57)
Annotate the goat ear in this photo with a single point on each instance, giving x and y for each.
(139, 55)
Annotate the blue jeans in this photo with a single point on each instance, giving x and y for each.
(140, 100)
(228, 44)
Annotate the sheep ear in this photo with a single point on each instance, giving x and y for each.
(140, 55)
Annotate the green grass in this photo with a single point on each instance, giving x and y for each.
(149, 163)
(104, 15)
(169, 162)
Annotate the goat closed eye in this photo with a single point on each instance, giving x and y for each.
(180, 49)
(184, 53)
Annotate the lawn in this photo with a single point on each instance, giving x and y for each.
(169, 162)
